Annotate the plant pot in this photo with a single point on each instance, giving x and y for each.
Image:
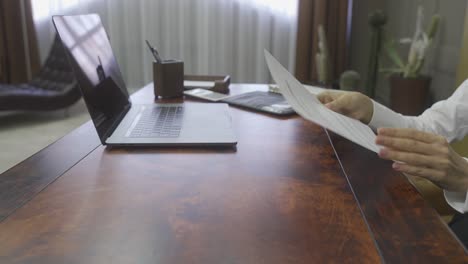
(408, 95)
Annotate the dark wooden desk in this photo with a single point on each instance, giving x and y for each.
(289, 193)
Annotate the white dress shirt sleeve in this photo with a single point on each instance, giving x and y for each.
(448, 118)
(457, 200)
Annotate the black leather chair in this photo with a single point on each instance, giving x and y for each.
(53, 88)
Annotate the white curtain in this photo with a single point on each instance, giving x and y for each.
(212, 37)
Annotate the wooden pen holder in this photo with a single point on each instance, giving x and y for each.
(168, 78)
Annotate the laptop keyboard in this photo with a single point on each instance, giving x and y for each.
(159, 122)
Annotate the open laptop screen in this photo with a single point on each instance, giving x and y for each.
(95, 68)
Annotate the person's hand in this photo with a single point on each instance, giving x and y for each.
(425, 155)
(351, 104)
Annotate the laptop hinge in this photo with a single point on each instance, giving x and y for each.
(117, 122)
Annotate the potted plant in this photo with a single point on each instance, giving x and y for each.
(377, 21)
(409, 88)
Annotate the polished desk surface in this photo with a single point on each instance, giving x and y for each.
(290, 192)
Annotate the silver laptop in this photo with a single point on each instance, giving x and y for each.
(117, 120)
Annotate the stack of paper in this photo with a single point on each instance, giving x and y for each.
(308, 106)
(199, 84)
(312, 89)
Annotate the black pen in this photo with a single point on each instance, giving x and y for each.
(154, 52)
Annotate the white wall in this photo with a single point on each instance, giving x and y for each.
(444, 59)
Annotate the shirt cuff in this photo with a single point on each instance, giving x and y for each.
(384, 117)
(457, 200)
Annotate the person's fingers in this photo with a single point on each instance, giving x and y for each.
(423, 172)
(326, 97)
(411, 159)
(351, 104)
(412, 134)
(408, 145)
(339, 105)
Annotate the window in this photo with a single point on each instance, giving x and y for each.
(284, 7)
(43, 9)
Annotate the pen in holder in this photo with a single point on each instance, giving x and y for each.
(168, 78)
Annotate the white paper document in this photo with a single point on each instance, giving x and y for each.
(306, 104)
(314, 89)
(199, 84)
